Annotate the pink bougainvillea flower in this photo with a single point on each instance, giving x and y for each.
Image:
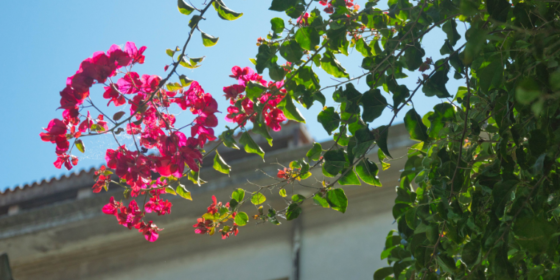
(68, 160)
(149, 230)
(137, 55)
(86, 124)
(118, 56)
(101, 122)
(112, 207)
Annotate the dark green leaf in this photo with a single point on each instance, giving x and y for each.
(224, 12)
(227, 138)
(307, 38)
(254, 89)
(527, 90)
(367, 170)
(184, 8)
(277, 25)
(374, 103)
(498, 9)
(282, 5)
(290, 110)
(329, 119)
(337, 200)
(291, 51)
(250, 145)
(349, 178)
(382, 273)
(315, 152)
(331, 65)
(450, 28)
(533, 233)
(415, 127)
(293, 211)
(443, 113)
(436, 83)
(413, 57)
(335, 161)
(381, 135)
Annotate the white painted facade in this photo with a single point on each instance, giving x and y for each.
(74, 240)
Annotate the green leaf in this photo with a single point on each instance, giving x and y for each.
(183, 192)
(255, 89)
(413, 57)
(170, 190)
(415, 127)
(337, 200)
(470, 253)
(282, 193)
(527, 91)
(331, 65)
(335, 161)
(224, 12)
(261, 128)
(381, 135)
(533, 233)
(329, 119)
(183, 62)
(476, 40)
(238, 195)
(443, 113)
(293, 211)
(291, 51)
(196, 60)
(170, 52)
(349, 178)
(307, 38)
(250, 145)
(374, 103)
(554, 80)
(498, 9)
(80, 145)
(282, 5)
(450, 28)
(209, 40)
(184, 8)
(258, 198)
(194, 21)
(220, 165)
(382, 273)
(363, 48)
(290, 110)
(315, 152)
(277, 25)
(241, 219)
(436, 83)
(298, 198)
(321, 201)
(185, 81)
(367, 170)
(227, 138)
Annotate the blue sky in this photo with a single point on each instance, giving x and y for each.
(45, 41)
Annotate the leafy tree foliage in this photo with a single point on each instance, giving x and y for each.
(480, 193)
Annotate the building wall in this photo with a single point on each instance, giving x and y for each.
(74, 240)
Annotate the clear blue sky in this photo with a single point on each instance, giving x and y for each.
(43, 42)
